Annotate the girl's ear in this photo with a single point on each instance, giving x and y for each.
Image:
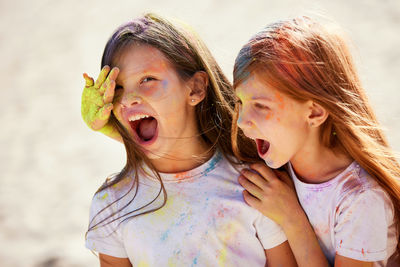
(198, 87)
(317, 114)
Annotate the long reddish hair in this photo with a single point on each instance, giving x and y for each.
(308, 61)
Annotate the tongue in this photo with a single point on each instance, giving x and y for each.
(147, 128)
(263, 146)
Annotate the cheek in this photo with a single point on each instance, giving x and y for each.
(269, 127)
(153, 92)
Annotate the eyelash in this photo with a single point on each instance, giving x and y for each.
(145, 80)
(260, 106)
(148, 79)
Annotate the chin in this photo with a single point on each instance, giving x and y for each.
(273, 164)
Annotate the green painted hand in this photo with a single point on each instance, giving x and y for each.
(97, 100)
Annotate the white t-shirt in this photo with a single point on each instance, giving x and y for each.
(351, 215)
(205, 221)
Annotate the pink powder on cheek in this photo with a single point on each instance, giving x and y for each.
(268, 116)
(153, 91)
(164, 84)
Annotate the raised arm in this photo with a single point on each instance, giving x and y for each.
(97, 103)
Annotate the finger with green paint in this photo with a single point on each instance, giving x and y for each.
(97, 103)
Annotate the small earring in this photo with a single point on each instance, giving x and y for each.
(192, 100)
(311, 124)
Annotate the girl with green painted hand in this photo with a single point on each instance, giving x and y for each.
(172, 108)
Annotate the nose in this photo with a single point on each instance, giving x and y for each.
(244, 121)
(131, 99)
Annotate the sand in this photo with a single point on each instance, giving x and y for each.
(51, 163)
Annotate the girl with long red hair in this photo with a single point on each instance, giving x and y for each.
(301, 101)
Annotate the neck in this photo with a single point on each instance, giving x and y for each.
(316, 163)
(189, 154)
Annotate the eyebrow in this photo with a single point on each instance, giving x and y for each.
(143, 72)
(262, 98)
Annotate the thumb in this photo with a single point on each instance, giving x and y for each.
(89, 81)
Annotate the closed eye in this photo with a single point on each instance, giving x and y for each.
(260, 106)
(118, 87)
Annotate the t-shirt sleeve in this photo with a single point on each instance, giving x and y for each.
(362, 223)
(104, 236)
(269, 233)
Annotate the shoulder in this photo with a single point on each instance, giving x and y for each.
(106, 198)
(360, 191)
(228, 169)
(354, 182)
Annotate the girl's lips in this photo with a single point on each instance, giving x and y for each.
(262, 147)
(138, 134)
(142, 134)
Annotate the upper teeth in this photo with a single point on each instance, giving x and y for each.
(138, 117)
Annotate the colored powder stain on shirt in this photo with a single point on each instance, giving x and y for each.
(165, 235)
(363, 252)
(221, 212)
(194, 263)
(143, 264)
(182, 217)
(182, 175)
(104, 196)
(172, 262)
(212, 163)
(161, 214)
(222, 257)
(175, 260)
(122, 183)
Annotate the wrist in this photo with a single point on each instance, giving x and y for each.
(295, 221)
(110, 131)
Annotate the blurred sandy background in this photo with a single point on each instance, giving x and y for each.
(51, 163)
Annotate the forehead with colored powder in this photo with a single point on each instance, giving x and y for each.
(141, 59)
(254, 88)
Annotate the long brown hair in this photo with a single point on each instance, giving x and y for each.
(187, 54)
(308, 61)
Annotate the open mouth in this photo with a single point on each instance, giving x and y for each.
(145, 128)
(262, 147)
